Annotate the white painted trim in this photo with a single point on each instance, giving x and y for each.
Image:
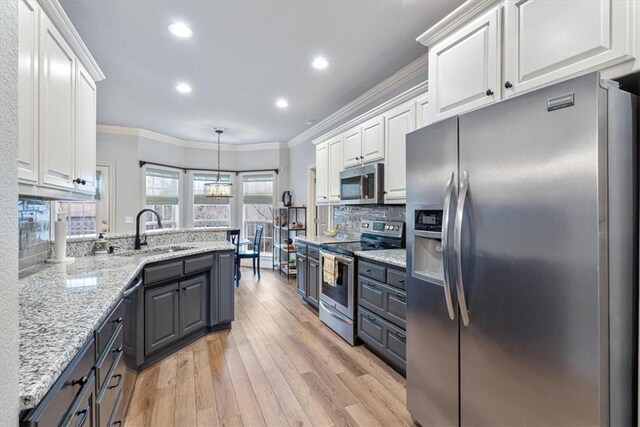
(111, 165)
(408, 95)
(155, 136)
(406, 74)
(453, 21)
(59, 18)
(311, 201)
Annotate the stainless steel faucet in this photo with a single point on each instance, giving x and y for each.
(138, 243)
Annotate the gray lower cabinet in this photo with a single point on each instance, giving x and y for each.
(193, 305)
(302, 276)
(224, 289)
(162, 317)
(313, 289)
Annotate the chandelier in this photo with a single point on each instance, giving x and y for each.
(218, 188)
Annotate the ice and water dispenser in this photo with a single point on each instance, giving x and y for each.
(427, 242)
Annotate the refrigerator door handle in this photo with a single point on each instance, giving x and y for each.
(450, 188)
(457, 246)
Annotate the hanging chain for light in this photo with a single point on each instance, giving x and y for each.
(218, 188)
(219, 132)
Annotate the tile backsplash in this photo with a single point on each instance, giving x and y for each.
(349, 217)
(34, 228)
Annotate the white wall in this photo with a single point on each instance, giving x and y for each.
(9, 213)
(127, 149)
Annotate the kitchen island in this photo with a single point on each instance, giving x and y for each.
(62, 305)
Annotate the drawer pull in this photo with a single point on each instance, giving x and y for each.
(117, 423)
(368, 270)
(372, 319)
(117, 350)
(401, 281)
(84, 413)
(401, 297)
(119, 378)
(401, 337)
(371, 285)
(118, 320)
(82, 381)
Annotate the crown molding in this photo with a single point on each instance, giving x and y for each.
(396, 80)
(463, 14)
(159, 137)
(59, 18)
(408, 95)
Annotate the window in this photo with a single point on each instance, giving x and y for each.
(162, 190)
(209, 211)
(257, 198)
(80, 216)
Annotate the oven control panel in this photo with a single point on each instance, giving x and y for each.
(387, 228)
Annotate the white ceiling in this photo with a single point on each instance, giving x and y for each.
(243, 56)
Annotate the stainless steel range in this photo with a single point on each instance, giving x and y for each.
(338, 299)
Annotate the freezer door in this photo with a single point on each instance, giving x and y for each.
(432, 336)
(533, 259)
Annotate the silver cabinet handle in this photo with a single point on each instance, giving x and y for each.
(450, 189)
(457, 247)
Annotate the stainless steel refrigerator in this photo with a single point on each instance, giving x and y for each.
(522, 261)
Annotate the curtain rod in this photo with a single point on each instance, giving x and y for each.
(185, 170)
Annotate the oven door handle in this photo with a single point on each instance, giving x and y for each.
(339, 258)
(332, 311)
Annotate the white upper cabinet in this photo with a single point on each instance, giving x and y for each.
(57, 108)
(353, 147)
(86, 131)
(398, 123)
(28, 15)
(336, 157)
(547, 41)
(322, 172)
(422, 113)
(464, 68)
(373, 140)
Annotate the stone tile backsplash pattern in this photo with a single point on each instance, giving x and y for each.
(349, 217)
(34, 228)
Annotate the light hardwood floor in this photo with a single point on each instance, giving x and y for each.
(278, 366)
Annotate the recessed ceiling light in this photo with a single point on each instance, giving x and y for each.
(310, 121)
(180, 29)
(183, 88)
(282, 103)
(320, 63)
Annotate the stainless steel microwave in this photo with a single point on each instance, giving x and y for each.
(362, 185)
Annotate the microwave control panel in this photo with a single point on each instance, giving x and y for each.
(428, 220)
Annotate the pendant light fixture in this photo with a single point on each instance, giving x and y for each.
(218, 188)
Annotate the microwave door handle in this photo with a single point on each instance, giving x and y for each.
(449, 195)
(361, 187)
(457, 247)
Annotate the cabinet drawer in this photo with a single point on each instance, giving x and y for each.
(313, 252)
(374, 271)
(74, 381)
(395, 349)
(301, 248)
(371, 330)
(105, 332)
(82, 410)
(384, 338)
(383, 300)
(111, 354)
(162, 272)
(396, 278)
(200, 263)
(111, 394)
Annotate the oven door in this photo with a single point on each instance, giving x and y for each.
(340, 297)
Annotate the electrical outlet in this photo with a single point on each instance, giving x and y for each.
(128, 220)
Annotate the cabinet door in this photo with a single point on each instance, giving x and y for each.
(162, 320)
(464, 68)
(301, 277)
(226, 288)
(193, 307)
(398, 123)
(86, 131)
(57, 108)
(353, 147)
(422, 113)
(336, 157)
(28, 15)
(373, 140)
(313, 291)
(322, 172)
(549, 41)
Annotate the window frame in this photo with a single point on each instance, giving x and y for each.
(143, 191)
(189, 207)
(241, 204)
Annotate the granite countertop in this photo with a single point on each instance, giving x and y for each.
(321, 240)
(157, 232)
(62, 304)
(397, 257)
